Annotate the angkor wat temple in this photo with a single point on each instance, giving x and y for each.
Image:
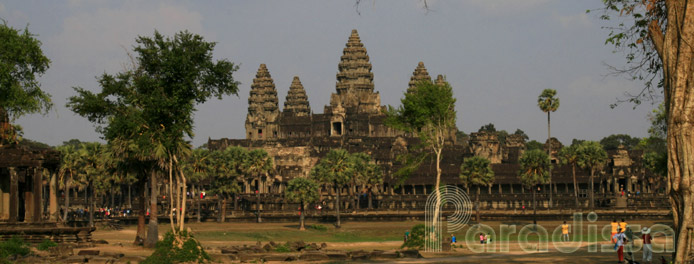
(297, 138)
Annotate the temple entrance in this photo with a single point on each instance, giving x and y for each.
(337, 129)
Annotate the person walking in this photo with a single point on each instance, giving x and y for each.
(565, 232)
(615, 227)
(619, 245)
(623, 225)
(647, 248)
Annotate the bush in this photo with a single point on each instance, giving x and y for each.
(167, 252)
(283, 248)
(46, 244)
(416, 239)
(318, 227)
(15, 246)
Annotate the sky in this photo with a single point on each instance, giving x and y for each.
(498, 55)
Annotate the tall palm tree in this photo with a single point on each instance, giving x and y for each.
(198, 166)
(69, 165)
(334, 169)
(258, 165)
(569, 156)
(476, 171)
(534, 166)
(303, 191)
(365, 172)
(591, 156)
(548, 103)
(227, 166)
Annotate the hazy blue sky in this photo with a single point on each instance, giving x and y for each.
(497, 55)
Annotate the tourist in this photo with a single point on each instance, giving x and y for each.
(452, 239)
(565, 232)
(619, 245)
(482, 238)
(615, 227)
(647, 248)
(487, 239)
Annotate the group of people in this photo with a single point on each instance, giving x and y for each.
(622, 235)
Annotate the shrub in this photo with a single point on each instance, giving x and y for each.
(318, 227)
(46, 244)
(416, 239)
(15, 246)
(283, 248)
(171, 251)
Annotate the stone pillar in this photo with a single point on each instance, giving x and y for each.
(28, 194)
(500, 189)
(414, 189)
(511, 185)
(53, 199)
(14, 195)
(38, 197)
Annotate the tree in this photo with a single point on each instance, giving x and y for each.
(21, 63)
(152, 104)
(428, 111)
(534, 144)
(489, 128)
(548, 103)
(302, 191)
(521, 133)
(613, 142)
(568, 155)
(534, 167)
(658, 48)
(226, 169)
(198, 167)
(593, 157)
(334, 169)
(70, 163)
(477, 171)
(366, 173)
(257, 166)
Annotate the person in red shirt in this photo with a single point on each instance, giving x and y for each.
(647, 249)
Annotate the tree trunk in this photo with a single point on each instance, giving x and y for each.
(573, 170)
(257, 203)
(370, 199)
(130, 197)
(337, 206)
(592, 190)
(301, 217)
(534, 207)
(477, 205)
(219, 215)
(171, 196)
(549, 153)
(184, 200)
(90, 202)
(153, 228)
(437, 206)
(67, 198)
(142, 206)
(223, 210)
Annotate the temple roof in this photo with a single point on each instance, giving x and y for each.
(263, 98)
(354, 68)
(440, 80)
(420, 74)
(297, 100)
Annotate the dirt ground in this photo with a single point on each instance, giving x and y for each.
(387, 236)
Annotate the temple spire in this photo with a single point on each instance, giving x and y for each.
(262, 106)
(297, 100)
(355, 87)
(420, 74)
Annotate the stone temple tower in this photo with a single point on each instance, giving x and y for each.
(355, 87)
(262, 120)
(420, 74)
(296, 102)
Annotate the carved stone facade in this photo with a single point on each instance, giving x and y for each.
(263, 112)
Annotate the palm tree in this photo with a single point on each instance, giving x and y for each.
(334, 169)
(569, 156)
(227, 166)
(303, 191)
(477, 171)
(257, 165)
(591, 156)
(548, 103)
(534, 166)
(365, 172)
(198, 166)
(70, 163)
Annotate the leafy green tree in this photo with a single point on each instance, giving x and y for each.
(593, 157)
(21, 63)
(477, 171)
(489, 128)
(258, 165)
(334, 169)
(227, 169)
(417, 237)
(656, 37)
(152, 105)
(366, 173)
(568, 155)
(534, 167)
(521, 133)
(71, 162)
(613, 142)
(302, 191)
(548, 103)
(429, 112)
(198, 167)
